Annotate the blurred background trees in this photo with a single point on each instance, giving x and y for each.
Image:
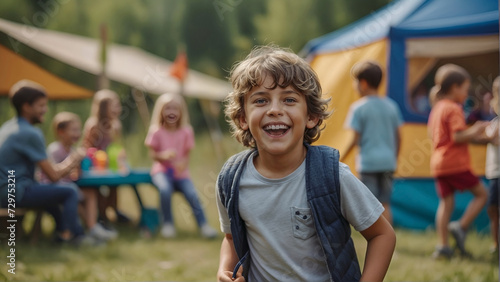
(215, 33)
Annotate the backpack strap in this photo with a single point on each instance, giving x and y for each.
(228, 189)
(322, 174)
(229, 176)
(334, 231)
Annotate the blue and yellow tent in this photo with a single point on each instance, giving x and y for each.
(410, 39)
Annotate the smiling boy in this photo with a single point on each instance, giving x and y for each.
(285, 206)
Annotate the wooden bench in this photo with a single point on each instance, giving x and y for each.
(6, 221)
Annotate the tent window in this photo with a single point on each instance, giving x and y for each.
(482, 68)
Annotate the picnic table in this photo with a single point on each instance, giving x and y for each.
(112, 179)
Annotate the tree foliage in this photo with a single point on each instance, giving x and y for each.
(215, 33)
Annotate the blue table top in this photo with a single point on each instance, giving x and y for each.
(107, 177)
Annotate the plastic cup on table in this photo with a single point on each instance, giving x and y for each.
(113, 155)
(101, 160)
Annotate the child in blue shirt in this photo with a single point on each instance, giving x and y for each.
(375, 121)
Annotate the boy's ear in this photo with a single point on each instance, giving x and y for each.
(243, 122)
(312, 121)
(363, 85)
(25, 108)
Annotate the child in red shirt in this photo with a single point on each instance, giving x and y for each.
(450, 160)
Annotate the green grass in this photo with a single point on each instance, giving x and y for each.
(191, 258)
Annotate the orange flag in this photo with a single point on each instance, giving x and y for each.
(179, 68)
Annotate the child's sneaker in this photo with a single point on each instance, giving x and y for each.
(442, 253)
(208, 232)
(168, 231)
(101, 233)
(459, 235)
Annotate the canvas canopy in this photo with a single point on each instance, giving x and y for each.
(14, 68)
(410, 39)
(125, 64)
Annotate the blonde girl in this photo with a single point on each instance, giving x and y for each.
(170, 140)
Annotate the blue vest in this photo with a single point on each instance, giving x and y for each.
(323, 196)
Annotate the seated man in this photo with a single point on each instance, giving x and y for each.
(22, 147)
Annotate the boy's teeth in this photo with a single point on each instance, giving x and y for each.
(276, 127)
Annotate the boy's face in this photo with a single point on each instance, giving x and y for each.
(277, 118)
(71, 134)
(35, 112)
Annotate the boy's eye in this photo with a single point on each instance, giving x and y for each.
(290, 100)
(259, 101)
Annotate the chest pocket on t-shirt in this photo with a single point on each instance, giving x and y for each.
(302, 223)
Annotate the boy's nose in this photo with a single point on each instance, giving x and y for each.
(276, 108)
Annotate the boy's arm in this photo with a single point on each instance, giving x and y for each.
(57, 171)
(228, 260)
(381, 241)
(352, 144)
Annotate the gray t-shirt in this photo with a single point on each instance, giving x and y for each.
(280, 230)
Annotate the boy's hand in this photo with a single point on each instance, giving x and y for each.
(227, 276)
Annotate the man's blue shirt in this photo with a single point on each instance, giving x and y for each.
(22, 146)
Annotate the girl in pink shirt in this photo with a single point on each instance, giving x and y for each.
(170, 139)
(450, 160)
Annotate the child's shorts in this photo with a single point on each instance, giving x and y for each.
(379, 183)
(446, 185)
(493, 193)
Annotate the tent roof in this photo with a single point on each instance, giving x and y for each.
(128, 65)
(366, 30)
(412, 18)
(15, 68)
(450, 17)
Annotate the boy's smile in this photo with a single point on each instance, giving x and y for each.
(277, 118)
(71, 134)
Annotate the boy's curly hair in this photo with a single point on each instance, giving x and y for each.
(286, 69)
